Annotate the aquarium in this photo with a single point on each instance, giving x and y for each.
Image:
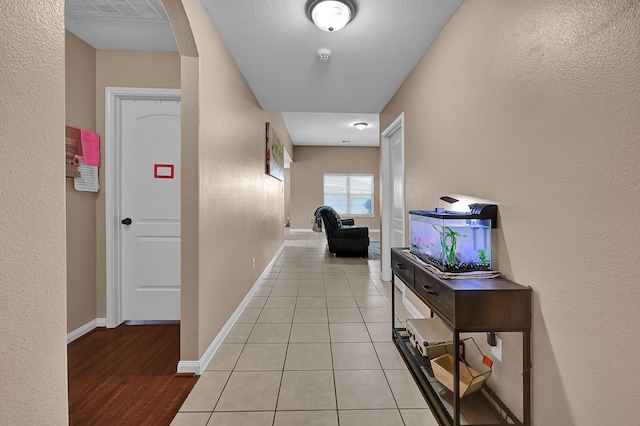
(453, 241)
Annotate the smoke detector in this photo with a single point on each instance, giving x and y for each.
(324, 54)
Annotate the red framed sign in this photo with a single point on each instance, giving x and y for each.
(163, 171)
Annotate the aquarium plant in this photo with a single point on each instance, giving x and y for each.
(482, 255)
(449, 248)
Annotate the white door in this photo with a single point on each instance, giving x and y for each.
(392, 197)
(397, 188)
(150, 209)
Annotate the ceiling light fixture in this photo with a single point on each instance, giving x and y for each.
(360, 126)
(331, 15)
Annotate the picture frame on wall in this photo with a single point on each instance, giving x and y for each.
(274, 164)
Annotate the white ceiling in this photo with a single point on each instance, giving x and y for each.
(330, 128)
(121, 24)
(275, 46)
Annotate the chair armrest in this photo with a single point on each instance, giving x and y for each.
(351, 232)
(348, 222)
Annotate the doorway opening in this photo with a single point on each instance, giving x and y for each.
(116, 98)
(393, 192)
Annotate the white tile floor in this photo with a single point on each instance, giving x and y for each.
(313, 347)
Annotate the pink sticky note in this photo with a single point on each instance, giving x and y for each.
(90, 148)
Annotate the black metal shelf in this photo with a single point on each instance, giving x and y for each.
(483, 407)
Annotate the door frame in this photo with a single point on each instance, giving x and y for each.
(112, 174)
(387, 185)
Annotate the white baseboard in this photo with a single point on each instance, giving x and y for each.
(407, 304)
(411, 308)
(192, 366)
(198, 367)
(82, 330)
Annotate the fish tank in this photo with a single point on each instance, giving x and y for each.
(453, 241)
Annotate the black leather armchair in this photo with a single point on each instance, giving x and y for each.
(344, 238)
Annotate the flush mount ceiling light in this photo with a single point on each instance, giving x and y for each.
(331, 15)
(360, 126)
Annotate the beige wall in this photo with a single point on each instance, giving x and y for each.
(535, 105)
(306, 179)
(234, 210)
(80, 107)
(287, 194)
(124, 69)
(32, 214)
(88, 73)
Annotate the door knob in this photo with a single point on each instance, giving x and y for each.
(126, 221)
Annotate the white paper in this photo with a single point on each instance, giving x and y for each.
(88, 180)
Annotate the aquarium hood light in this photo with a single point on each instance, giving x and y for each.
(476, 211)
(448, 199)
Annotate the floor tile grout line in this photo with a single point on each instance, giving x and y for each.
(220, 396)
(326, 308)
(275, 409)
(333, 367)
(237, 360)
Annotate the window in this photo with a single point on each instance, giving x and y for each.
(349, 194)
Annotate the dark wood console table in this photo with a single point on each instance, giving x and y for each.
(464, 306)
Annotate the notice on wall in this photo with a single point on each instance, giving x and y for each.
(90, 148)
(72, 161)
(163, 171)
(88, 180)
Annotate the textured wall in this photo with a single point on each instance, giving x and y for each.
(80, 111)
(116, 68)
(32, 214)
(307, 193)
(234, 209)
(287, 194)
(535, 105)
(189, 221)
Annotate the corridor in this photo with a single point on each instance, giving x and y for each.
(313, 347)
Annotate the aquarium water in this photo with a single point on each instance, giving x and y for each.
(451, 242)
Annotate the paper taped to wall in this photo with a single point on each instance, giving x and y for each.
(90, 148)
(88, 180)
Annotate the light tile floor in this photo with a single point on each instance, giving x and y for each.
(313, 347)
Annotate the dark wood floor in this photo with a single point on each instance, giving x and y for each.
(126, 376)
